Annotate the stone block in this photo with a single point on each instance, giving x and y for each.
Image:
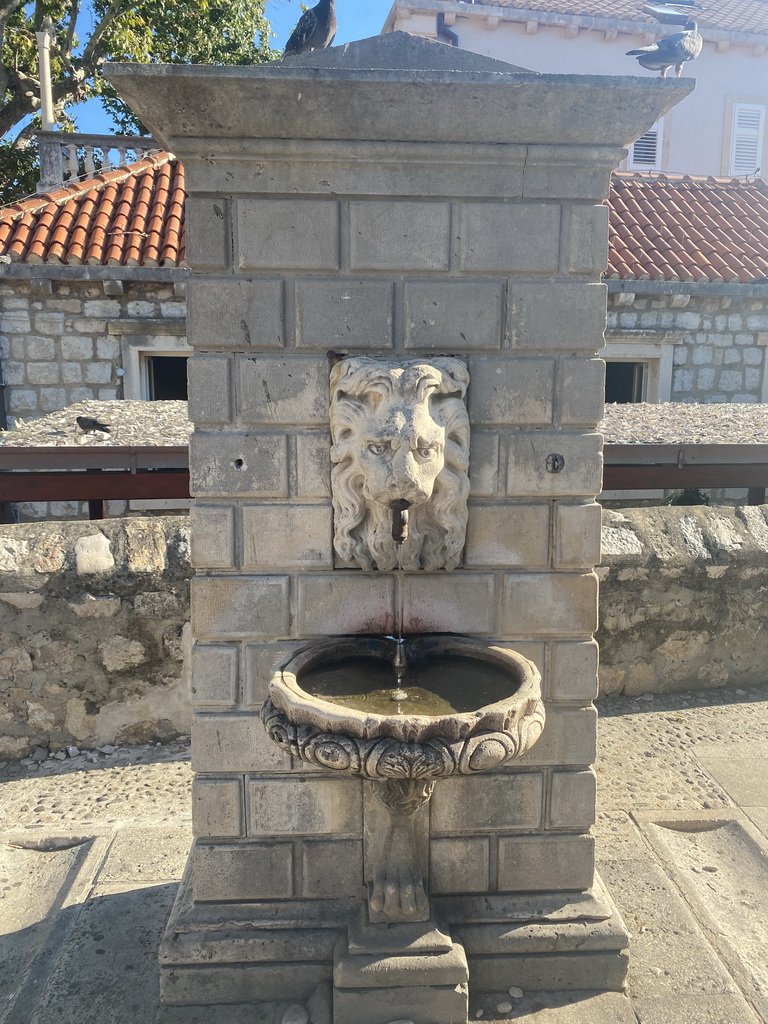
(573, 671)
(569, 738)
(545, 863)
(227, 313)
(572, 800)
(451, 603)
(284, 391)
(52, 323)
(582, 391)
(93, 554)
(488, 802)
(483, 465)
(39, 348)
(510, 237)
(399, 236)
(209, 233)
(423, 1004)
(98, 373)
(287, 233)
(13, 371)
(22, 400)
(234, 744)
(577, 535)
(107, 348)
(549, 603)
(106, 308)
(287, 536)
(604, 971)
(71, 373)
(313, 465)
(585, 239)
(331, 868)
(209, 383)
(247, 606)
(242, 871)
(344, 314)
(52, 399)
(562, 317)
(511, 391)
(508, 535)
(529, 465)
(308, 806)
(76, 347)
(261, 662)
(212, 536)
(214, 675)
(44, 373)
(345, 603)
(217, 808)
(459, 865)
(453, 317)
(239, 465)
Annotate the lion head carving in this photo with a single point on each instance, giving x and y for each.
(400, 431)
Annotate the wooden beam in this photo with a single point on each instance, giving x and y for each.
(642, 477)
(93, 486)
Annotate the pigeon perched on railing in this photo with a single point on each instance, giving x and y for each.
(671, 51)
(315, 30)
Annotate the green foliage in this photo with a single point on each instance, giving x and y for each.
(162, 31)
(18, 172)
(688, 496)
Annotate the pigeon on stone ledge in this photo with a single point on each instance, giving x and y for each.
(90, 426)
(671, 51)
(315, 30)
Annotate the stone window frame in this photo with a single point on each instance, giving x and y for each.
(656, 349)
(142, 338)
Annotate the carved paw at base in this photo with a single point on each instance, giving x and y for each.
(398, 892)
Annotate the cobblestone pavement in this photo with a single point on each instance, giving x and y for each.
(92, 929)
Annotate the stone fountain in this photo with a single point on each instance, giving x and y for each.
(396, 313)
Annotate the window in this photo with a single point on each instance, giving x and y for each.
(646, 153)
(746, 138)
(165, 378)
(625, 381)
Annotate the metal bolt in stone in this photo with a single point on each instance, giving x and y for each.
(555, 463)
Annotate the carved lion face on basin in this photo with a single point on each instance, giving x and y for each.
(400, 432)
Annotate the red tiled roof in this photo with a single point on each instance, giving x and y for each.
(680, 228)
(727, 15)
(662, 227)
(132, 216)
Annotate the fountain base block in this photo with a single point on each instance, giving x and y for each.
(256, 951)
(413, 971)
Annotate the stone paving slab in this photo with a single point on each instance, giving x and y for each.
(86, 919)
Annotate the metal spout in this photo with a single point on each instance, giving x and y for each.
(399, 509)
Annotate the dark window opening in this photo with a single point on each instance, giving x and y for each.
(167, 378)
(624, 382)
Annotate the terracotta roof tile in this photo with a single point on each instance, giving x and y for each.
(749, 16)
(131, 216)
(665, 227)
(661, 227)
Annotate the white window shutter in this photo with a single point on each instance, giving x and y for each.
(645, 154)
(746, 138)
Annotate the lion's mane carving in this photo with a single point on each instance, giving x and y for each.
(400, 430)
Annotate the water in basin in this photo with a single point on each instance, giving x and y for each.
(436, 685)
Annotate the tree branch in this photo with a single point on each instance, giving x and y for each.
(91, 53)
(74, 11)
(7, 7)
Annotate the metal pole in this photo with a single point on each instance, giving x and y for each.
(44, 64)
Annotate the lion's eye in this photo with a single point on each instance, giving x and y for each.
(377, 449)
(426, 453)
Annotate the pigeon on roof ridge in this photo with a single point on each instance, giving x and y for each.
(315, 30)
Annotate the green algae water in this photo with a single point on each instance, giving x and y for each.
(434, 686)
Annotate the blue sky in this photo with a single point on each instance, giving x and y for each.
(357, 19)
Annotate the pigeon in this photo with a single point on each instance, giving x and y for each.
(671, 51)
(316, 29)
(90, 426)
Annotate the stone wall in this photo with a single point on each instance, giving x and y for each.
(93, 652)
(94, 634)
(684, 598)
(55, 340)
(719, 341)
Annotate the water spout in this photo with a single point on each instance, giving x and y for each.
(399, 509)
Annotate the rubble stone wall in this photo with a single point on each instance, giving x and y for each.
(94, 636)
(94, 633)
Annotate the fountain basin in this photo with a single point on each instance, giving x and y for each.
(483, 699)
